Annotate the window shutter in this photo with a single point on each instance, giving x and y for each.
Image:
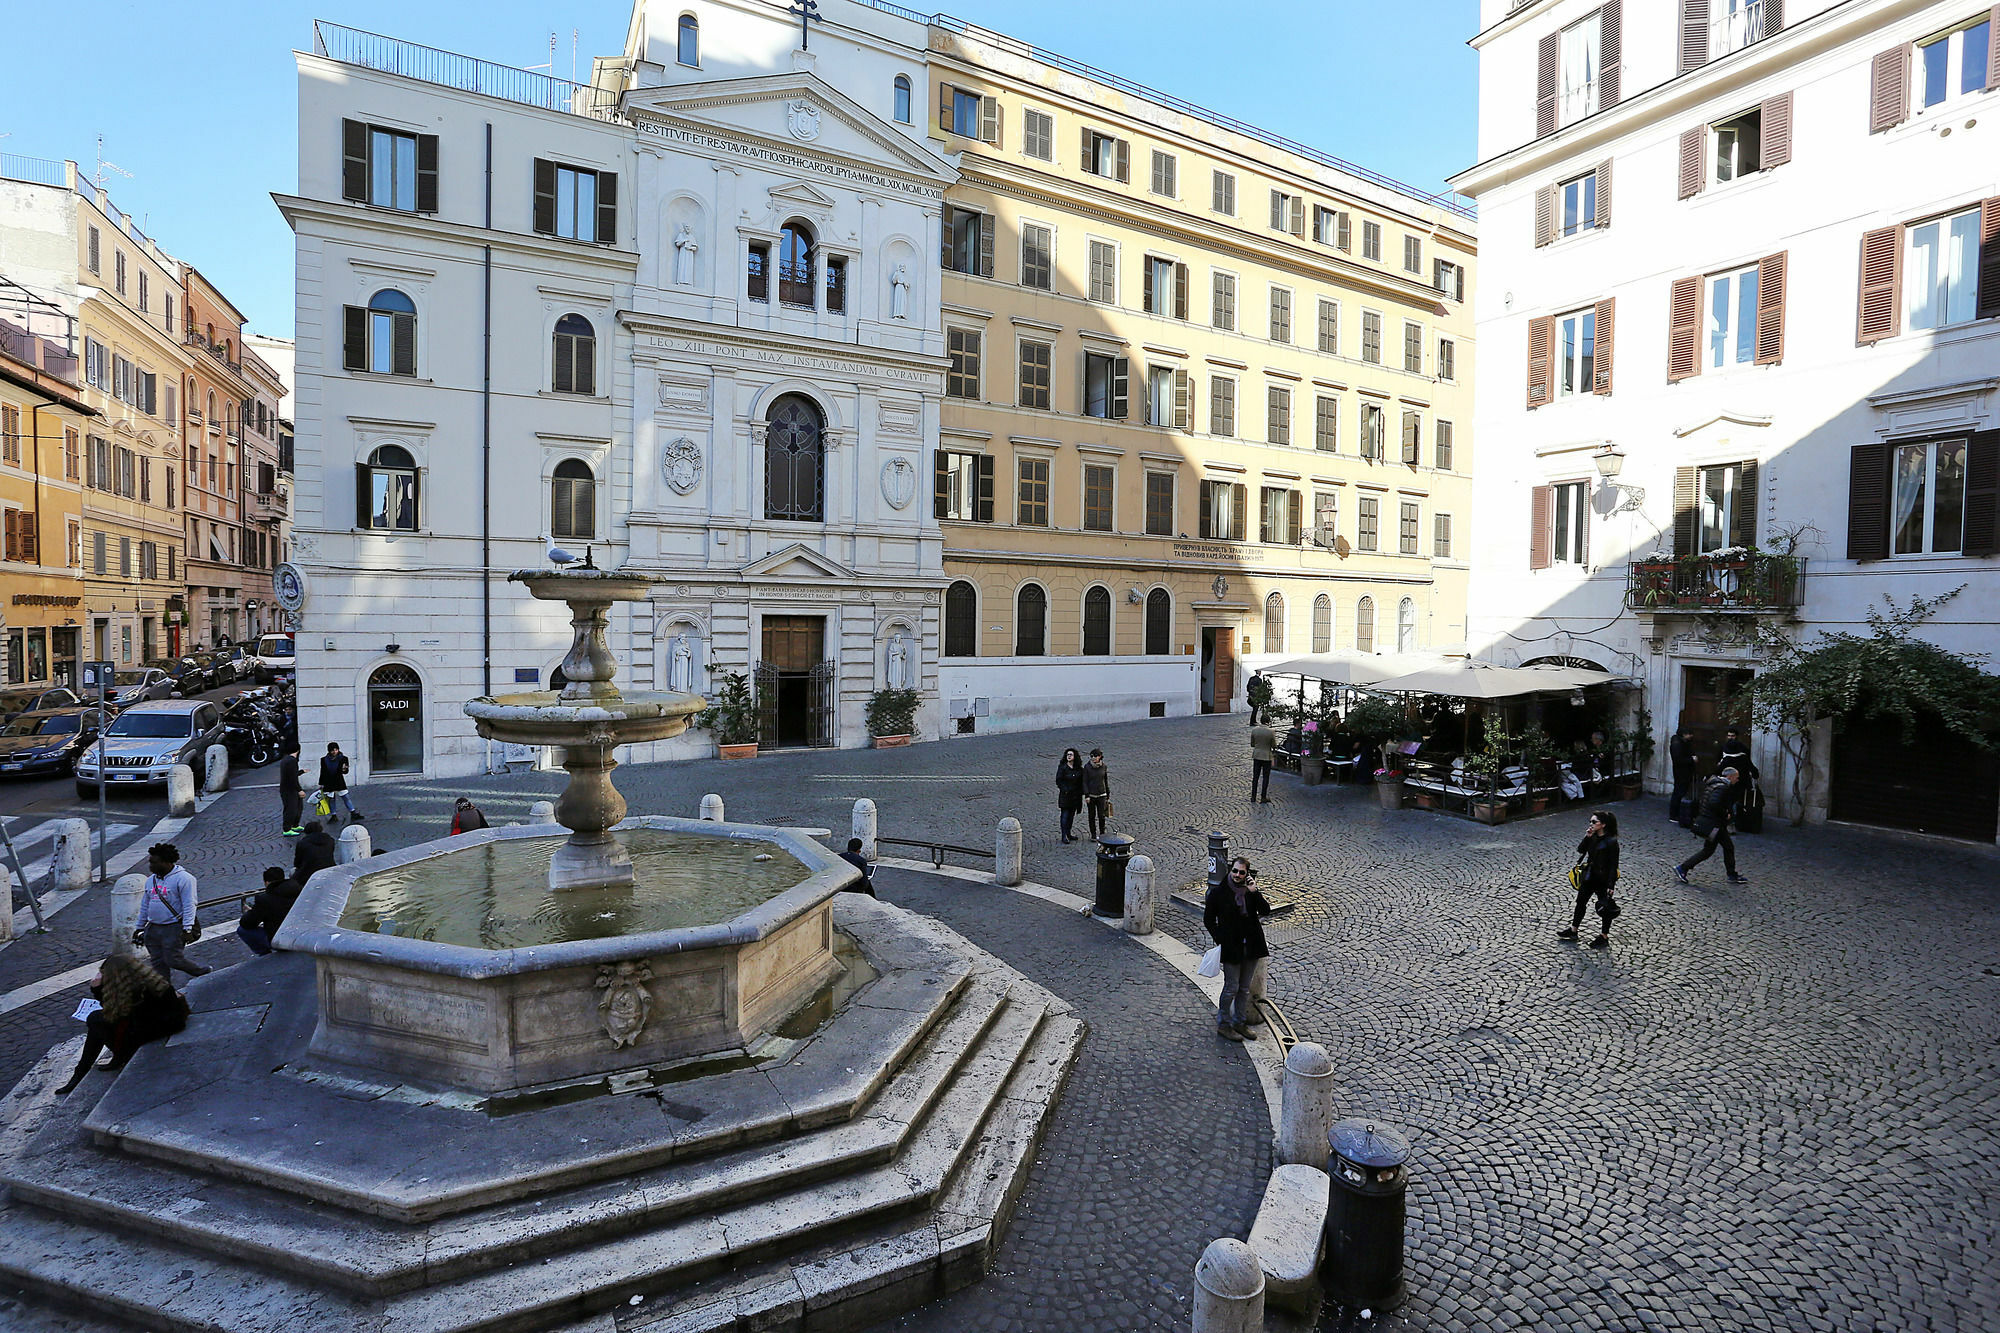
(10, 549)
(1601, 367)
(1207, 528)
(1982, 494)
(545, 197)
(1242, 510)
(1412, 427)
(406, 344)
(26, 534)
(363, 484)
(1183, 401)
(1344, 231)
(984, 512)
(1771, 309)
(945, 91)
(607, 208)
(427, 173)
(1541, 515)
(586, 366)
(1148, 302)
(1541, 336)
(941, 485)
(1277, 210)
(1121, 387)
(1694, 144)
(562, 378)
(1868, 502)
(1124, 161)
(1881, 284)
(1774, 17)
(1603, 218)
(1889, 89)
(1089, 158)
(354, 348)
(1610, 48)
(1180, 291)
(944, 247)
(1774, 147)
(1743, 519)
(1545, 215)
(1684, 512)
(1298, 227)
(353, 164)
(1694, 34)
(1989, 249)
(989, 120)
(1545, 87)
(985, 245)
(1992, 49)
(1295, 517)
(1684, 330)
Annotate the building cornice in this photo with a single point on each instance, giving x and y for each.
(397, 227)
(1243, 569)
(670, 337)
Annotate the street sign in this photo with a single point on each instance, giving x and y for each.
(97, 676)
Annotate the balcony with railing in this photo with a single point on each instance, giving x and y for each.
(1733, 25)
(1729, 582)
(264, 505)
(351, 46)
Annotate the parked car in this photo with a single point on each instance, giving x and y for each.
(136, 687)
(146, 740)
(189, 674)
(276, 655)
(20, 699)
(47, 740)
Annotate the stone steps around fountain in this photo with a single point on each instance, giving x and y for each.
(839, 1244)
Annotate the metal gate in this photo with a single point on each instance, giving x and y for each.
(825, 695)
(766, 683)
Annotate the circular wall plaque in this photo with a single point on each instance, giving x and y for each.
(288, 582)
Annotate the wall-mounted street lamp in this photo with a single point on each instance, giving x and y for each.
(1610, 462)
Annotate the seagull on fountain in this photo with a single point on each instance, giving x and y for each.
(558, 556)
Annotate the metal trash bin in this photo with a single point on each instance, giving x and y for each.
(1365, 1214)
(1114, 852)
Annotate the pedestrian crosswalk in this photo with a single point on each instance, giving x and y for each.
(35, 843)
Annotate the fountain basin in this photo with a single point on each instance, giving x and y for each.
(495, 1019)
(546, 717)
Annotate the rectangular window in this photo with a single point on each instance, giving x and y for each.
(1736, 143)
(1441, 454)
(958, 485)
(1326, 424)
(1326, 522)
(1288, 213)
(961, 380)
(1038, 134)
(125, 568)
(1104, 272)
(1447, 360)
(1329, 226)
(1374, 431)
(1166, 175)
(1035, 374)
(1441, 536)
(1576, 350)
(1371, 337)
(1163, 287)
(1278, 414)
(1928, 499)
(1735, 24)
(145, 292)
(170, 312)
(1222, 193)
(1406, 533)
(391, 168)
(1159, 504)
(1097, 484)
(758, 271)
(1329, 327)
(1413, 254)
(964, 113)
(1941, 268)
(1577, 86)
(1570, 544)
(1104, 385)
(1716, 500)
(1222, 303)
(1371, 240)
(1413, 348)
(10, 435)
(968, 238)
(1368, 523)
(1031, 492)
(1953, 65)
(1159, 395)
(1281, 315)
(1106, 156)
(1038, 247)
(836, 285)
(1732, 319)
(1221, 405)
(1222, 511)
(98, 549)
(96, 247)
(1278, 516)
(1449, 279)
(1579, 204)
(118, 261)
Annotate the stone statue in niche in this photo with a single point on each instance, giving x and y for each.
(899, 292)
(680, 672)
(626, 1004)
(899, 661)
(685, 247)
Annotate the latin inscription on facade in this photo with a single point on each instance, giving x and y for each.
(715, 143)
(793, 360)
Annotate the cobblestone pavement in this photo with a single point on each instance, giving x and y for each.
(1769, 1106)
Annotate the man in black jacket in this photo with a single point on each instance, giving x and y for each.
(290, 791)
(265, 911)
(1713, 808)
(1680, 753)
(1232, 912)
(315, 852)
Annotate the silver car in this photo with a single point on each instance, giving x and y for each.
(136, 687)
(143, 743)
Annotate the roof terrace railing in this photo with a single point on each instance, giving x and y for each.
(34, 170)
(351, 46)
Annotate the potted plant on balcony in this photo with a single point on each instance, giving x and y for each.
(732, 718)
(892, 714)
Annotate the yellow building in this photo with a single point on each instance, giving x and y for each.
(1209, 404)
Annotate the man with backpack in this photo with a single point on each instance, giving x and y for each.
(1714, 804)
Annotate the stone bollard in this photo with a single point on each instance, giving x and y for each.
(180, 792)
(127, 897)
(355, 845)
(216, 765)
(1228, 1289)
(1007, 868)
(1305, 1111)
(864, 826)
(542, 812)
(1139, 900)
(73, 864)
(711, 809)
(7, 916)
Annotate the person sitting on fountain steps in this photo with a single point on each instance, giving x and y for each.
(139, 1005)
(853, 857)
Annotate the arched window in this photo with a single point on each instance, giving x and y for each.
(794, 453)
(961, 620)
(1031, 622)
(1097, 622)
(386, 490)
(1322, 623)
(689, 51)
(796, 256)
(1159, 622)
(1274, 623)
(573, 501)
(1406, 626)
(575, 356)
(395, 720)
(1364, 625)
(903, 98)
(382, 337)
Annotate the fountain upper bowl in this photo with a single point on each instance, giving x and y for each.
(545, 717)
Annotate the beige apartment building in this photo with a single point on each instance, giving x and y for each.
(1209, 401)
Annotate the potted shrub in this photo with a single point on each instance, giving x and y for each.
(731, 717)
(892, 713)
(1312, 762)
(1389, 787)
(1488, 764)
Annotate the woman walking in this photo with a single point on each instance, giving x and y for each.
(1234, 913)
(1595, 875)
(139, 1005)
(1069, 791)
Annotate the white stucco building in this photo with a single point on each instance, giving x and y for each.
(680, 316)
(1782, 328)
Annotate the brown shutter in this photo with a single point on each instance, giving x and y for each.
(989, 120)
(1774, 146)
(941, 484)
(364, 514)
(1989, 250)
(1771, 309)
(9, 549)
(1881, 284)
(944, 247)
(1774, 17)
(1889, 89)
(427, 173)
(405, 350)
(1541, 335)
(1694, 145)
(1694, 34)
(944, 107)
(1541, 513)
(545, 197)
(1868, 502)
(1146, 298)
(607, 207)
(984, 512)
(1180, 291)
(985, 245)
(1982, 494)
(1610, 50)
(1684, 511)
(1207, 520)
(1743, 521)
(1601, 376)
(1545, 84)
(1603, 218)
(354, 345)
(354, 161)
(1183, 401)
(1124, 162)
(1121, 387)
(25, 533)
(1545, 215)
(1993, 48)
(1684, 330)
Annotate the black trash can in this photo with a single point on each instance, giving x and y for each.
(1114, 852)
(1365, 1214)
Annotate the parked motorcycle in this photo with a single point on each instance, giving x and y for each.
(251, 734)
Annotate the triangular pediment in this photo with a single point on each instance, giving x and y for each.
(797, 562)
(802, 195)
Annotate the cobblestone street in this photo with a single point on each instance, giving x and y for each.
(1768, 1106)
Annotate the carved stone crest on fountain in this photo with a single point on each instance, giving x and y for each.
(626, 1003)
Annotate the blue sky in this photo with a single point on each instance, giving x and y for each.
(198, 99)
